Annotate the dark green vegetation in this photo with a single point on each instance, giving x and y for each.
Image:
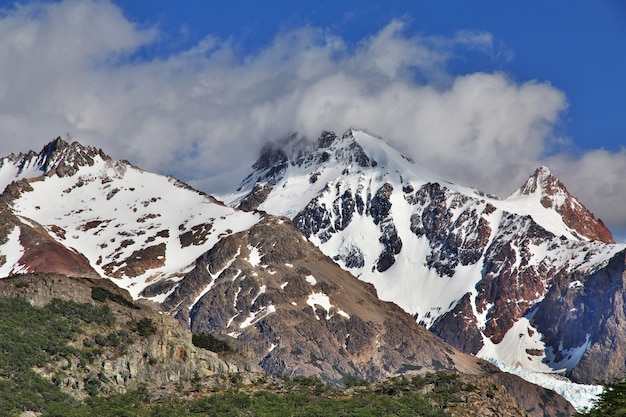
(300, 396)
(612, 402)
(210, 342)
(102, 294)
(31, 337)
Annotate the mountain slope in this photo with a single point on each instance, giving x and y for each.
(272, 289)
(471, 267)
(130, 225)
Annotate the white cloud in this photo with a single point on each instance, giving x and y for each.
(76, 66)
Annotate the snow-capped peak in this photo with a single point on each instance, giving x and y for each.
(57, 157)
(544, 189)
(306, 167)
(544, 184)
(130, 225)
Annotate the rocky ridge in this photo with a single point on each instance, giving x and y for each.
(303, 315)
(272, 289)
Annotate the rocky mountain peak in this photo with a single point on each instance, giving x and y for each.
(56, 158)
(553, 194)
(544, 183)
(325, 159)
(62, 158)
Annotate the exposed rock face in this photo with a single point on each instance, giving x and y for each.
(584, 315)
(301, 313)
(40, 251)
(64, 159)
(454, 239)
(537, 403)
(57, 158)
(157, 361)
(44, 254)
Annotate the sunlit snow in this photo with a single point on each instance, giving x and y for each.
(111, 210)
(12, 250)
(255, 256)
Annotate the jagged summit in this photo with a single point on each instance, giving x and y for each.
(276, 156)
(301, 169)
(317, 163)
(552, 194)
(540, 180)
(63, 158)
(58, 157)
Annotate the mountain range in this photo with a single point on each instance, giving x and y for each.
(446, 274)
(477, 270)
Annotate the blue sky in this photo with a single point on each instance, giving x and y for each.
(481, 92)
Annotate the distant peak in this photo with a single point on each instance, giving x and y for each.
(542, 172)
(553, 195)
(57, 143)
(542, 181)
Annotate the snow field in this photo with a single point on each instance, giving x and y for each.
(111, 210)
(12, 250)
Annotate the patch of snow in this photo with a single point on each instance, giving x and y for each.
(230, 320)
(236, 297)
(214, 278)
(162, 297)
(256, 316)
(255, 256)
(283, 285)
(343, 313)
(12, 250)
(523, 353)
(322, 300)
(236, 275)
(262, 290)
(571, 356)
(311, 280)
(522, 346)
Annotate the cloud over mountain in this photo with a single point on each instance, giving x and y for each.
(203, 112)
